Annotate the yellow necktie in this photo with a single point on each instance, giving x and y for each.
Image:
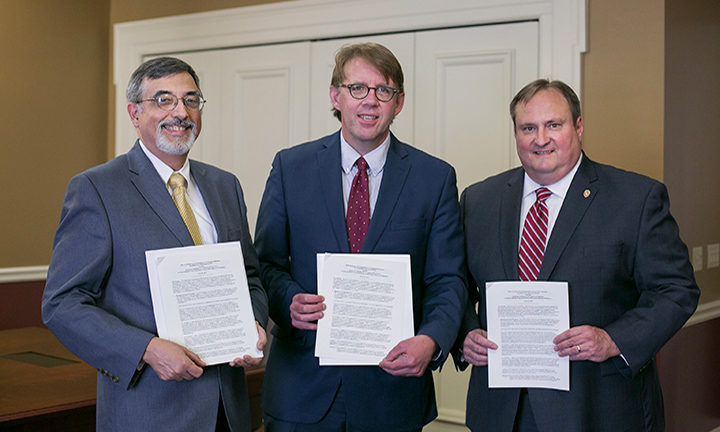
(177, 182)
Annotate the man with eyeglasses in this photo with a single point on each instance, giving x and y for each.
(97, 298)
(316, 194)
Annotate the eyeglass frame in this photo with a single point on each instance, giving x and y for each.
(347, 86)
(156, 99)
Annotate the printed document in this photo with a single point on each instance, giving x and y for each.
(201, 300)
(368, 300)
(523, 319)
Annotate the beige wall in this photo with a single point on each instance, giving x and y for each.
(62, 101)
(692, 127)
(53, 111)
(134, 10)
(622, 76)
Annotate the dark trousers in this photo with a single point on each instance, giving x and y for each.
(524, 419)
(335, 420)
(222, 423)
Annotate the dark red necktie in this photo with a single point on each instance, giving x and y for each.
(532, 244)
(358, 211)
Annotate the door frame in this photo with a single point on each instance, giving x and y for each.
(562, 32)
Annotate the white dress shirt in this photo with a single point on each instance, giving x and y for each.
(554, 202)
(376, 163)
(194, 197)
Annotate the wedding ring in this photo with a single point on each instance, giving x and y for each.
(578, 348)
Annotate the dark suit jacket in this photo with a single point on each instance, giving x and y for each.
(97, 298)
(301, 214)
(628, 273)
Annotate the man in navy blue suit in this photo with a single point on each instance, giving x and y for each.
(413, 209)
(611, 237)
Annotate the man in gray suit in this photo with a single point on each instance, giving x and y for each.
(97, 299)
(609, 234)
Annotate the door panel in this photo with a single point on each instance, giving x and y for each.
(465, 79)
(257, 105)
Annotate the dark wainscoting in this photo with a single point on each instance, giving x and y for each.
(20, 308)
(689, 367)
(20, 305)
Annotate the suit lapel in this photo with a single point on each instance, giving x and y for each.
(510, 207)
(148, 183)
(211, 198)
(329, 181)
(580, 195)
(395, 172)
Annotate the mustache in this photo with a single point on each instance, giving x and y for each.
(178, 122)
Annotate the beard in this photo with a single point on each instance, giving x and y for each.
(176, 146)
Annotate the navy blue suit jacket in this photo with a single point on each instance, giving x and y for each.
(97, 299)
(301, 214)
(618, 247)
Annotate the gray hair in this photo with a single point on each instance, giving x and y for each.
(153, 69)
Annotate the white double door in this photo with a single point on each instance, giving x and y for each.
(458, 85)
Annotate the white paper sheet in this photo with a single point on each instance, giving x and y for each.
(201, 300)
(523, 319)
(368, 300)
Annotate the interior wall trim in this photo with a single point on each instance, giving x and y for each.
(705, 312)
(562, 35)
(23, 274)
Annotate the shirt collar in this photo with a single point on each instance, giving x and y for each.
(162, 168)
(558, 188)
(375, 159)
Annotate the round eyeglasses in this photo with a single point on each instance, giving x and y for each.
(360, 91)
(168, 101)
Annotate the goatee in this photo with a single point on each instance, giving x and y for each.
(176, 146)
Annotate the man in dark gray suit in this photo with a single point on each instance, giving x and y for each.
(97, 298)
(610, 236)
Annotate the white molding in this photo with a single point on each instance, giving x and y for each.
(23, 274)
(704, 312)
(562, 35)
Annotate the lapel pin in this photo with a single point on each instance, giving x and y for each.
(586, 193)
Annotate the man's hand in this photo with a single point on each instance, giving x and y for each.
(410, 357)
(171, 361)
(305, 310)
(475, 347)
(247, 360)
(585, 343)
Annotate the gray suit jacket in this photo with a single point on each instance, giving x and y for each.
(97, 298)
(618, 247)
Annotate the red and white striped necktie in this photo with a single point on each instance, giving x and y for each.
(532, 244)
